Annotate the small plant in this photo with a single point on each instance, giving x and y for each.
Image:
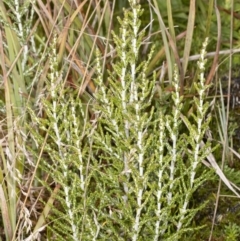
(150, 168)
(232, 232)
(128, 174)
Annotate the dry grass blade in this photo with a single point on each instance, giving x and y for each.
(5, 213)
(215, 166)
(213, 54)
(165, 41)
(47, 208)
(234, 152)
(215, 60)
(63, 35)
(11, 183)
(189, 35)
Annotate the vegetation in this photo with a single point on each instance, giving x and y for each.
(118, 124)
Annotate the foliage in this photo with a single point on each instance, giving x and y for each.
(232, 232)
(141, 163)
(94, 143)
